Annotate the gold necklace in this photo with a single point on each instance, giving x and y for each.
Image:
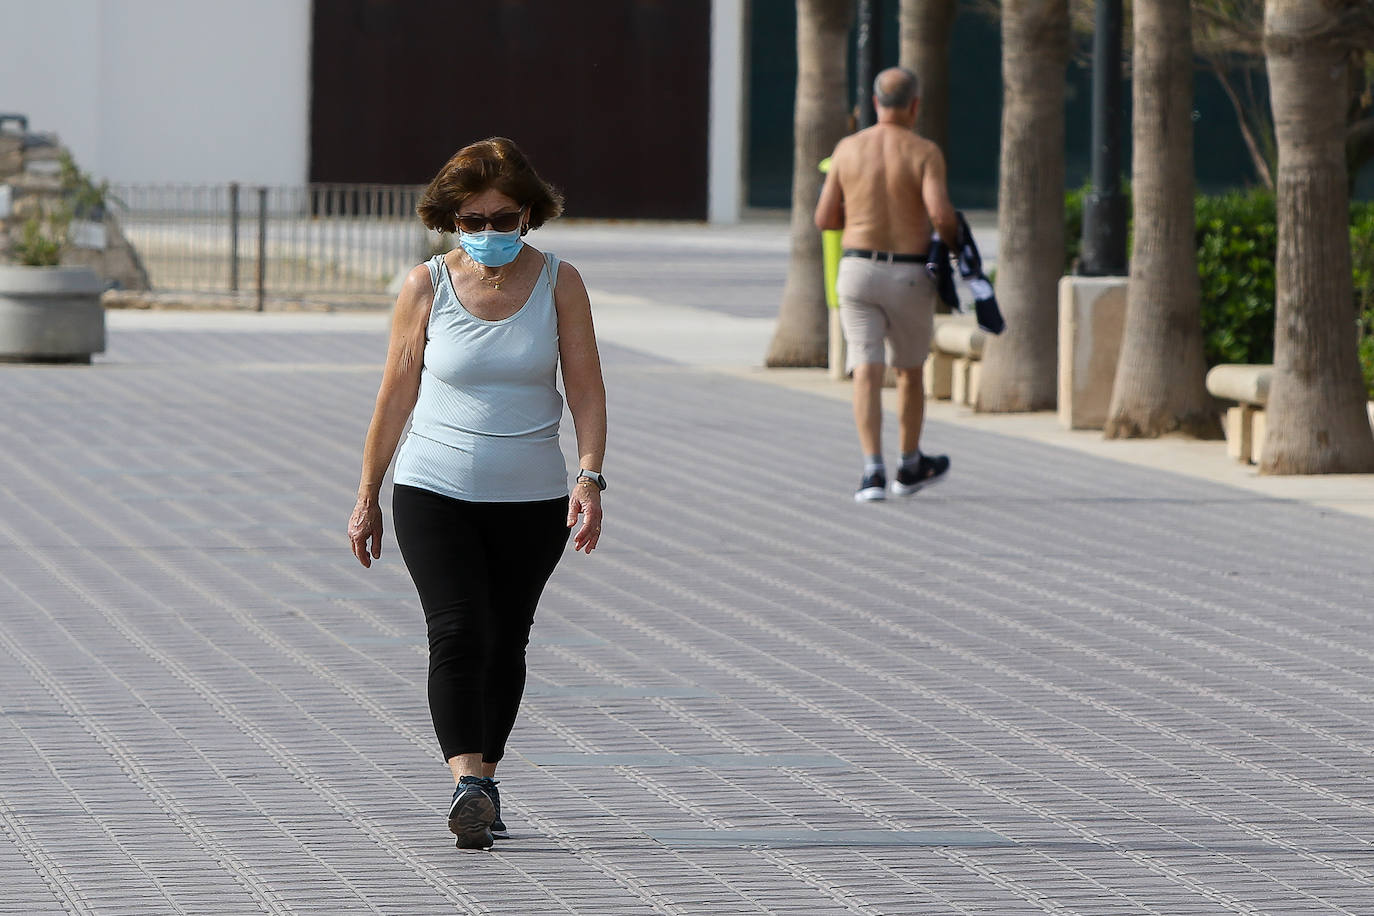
(495, 280)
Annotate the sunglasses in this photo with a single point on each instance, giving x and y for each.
(501, 222)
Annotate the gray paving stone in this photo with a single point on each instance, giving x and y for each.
(1156, 689)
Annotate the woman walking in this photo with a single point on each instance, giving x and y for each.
(481, 504)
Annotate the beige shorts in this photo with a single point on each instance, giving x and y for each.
(886, 302)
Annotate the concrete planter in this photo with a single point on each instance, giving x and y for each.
(50, 314)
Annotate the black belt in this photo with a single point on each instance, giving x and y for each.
(888, 256)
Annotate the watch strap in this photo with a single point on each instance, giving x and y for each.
(594, 476)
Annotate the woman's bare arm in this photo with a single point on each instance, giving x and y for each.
(395, 400)
(586, 393)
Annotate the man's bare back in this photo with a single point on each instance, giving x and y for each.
(888, 184)
(885, 188)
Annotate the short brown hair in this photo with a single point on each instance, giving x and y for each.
(492, 163)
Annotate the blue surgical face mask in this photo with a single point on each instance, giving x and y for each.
(491, 248)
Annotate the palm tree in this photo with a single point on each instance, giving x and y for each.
(1317, 421)
(926, 26)
(1161, 373)
(1019, 370)
(1229, 36)
(819, 121)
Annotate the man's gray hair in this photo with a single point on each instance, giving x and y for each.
(895, 87)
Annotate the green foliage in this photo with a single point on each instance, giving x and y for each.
(38, 245)
(1237, 243)
(45, 232)
(1362, 265)
(1367, 350)
(85, 198)
(1362, 253)
(1237, 246)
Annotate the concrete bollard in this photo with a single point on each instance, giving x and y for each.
(1092, 313)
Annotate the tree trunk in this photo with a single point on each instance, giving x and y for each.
(819, 121)
(926, 26)
(1317, 421)
(1019, 370)
(1161, 375)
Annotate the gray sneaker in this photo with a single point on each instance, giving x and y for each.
(471, 813)
(498, 826)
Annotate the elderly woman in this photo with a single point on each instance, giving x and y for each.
(481, 501)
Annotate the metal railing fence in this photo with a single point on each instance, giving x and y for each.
(320, 239)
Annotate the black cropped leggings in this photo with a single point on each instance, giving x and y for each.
(479, 569)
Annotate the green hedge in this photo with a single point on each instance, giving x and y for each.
(1362, 260)
(1237, 245)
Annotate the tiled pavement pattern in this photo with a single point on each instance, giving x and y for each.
(1056, 684)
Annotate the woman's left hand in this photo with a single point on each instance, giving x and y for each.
(586, 502)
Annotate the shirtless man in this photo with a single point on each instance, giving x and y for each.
(885, 189)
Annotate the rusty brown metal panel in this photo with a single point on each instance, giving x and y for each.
(609, 99)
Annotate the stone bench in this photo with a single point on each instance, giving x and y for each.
(952, 370)
(1248, 386)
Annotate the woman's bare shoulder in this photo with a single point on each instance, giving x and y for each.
(419, 281)
(569, 292)
(417, 292)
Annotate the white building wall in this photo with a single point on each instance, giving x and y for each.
(165, 90)
(48, 62)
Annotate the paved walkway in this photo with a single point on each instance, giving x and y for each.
(1060, 683)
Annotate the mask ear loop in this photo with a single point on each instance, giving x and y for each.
(524, 223)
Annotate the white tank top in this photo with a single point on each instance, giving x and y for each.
(485, 425)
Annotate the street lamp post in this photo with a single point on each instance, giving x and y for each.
(1104, 212)
(866, 45)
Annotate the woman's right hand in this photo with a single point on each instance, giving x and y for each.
(364, 524)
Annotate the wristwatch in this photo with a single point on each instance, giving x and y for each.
(594, 476)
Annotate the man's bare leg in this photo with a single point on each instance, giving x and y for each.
(915, 472)
(868, 407)
(911, 407)
(868, 418)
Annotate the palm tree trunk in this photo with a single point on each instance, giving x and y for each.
(926, 26)
(1019, 370)
(819, 122)
(1317, 421)
(1161, 375)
